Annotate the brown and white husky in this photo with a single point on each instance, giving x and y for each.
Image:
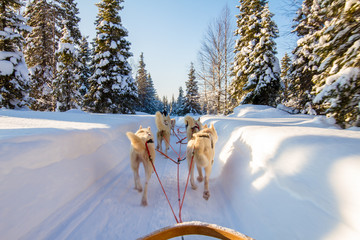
(163, 131)
(192, 126)
(201, 151)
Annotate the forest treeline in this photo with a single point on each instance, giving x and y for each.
(46, 64)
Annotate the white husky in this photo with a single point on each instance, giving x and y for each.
(172, 123)
(142, 150)
(163, 131)
(192, 126)
(201, 150)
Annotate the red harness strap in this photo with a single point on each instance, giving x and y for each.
(187, 182)
(152, 163)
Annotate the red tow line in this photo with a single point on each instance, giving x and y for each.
(181, 202)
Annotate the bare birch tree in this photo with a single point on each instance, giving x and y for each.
(215, 58)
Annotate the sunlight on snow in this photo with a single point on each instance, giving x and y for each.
(228, 148)
(344, 178)
(283, 166)
(26, 123)
(261, 182)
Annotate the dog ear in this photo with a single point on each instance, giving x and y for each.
(149, 128)
(205, 126)
(140, 127)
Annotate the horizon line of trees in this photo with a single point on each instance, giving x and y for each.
(46, 64)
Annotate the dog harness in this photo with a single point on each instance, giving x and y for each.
(207, 136)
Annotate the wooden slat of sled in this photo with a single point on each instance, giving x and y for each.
(196, 228)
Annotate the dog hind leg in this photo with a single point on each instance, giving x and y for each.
(167, 142)
(159, 141)
(148, 171)
(200, 177)
(206, 194)
(189, 158)
(135, 167)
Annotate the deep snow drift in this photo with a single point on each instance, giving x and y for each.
(275, 176)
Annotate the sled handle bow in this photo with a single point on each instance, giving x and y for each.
(196, 228)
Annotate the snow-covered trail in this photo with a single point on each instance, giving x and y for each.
(104, 209)
(275, 176)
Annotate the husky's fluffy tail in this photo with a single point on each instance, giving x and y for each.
(136, 142)
(189, 121)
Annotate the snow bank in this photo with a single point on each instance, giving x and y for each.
(275, 176)
(299, 180)
(47, 159)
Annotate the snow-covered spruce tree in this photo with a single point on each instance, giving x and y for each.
(337, 84)
(285, 66)
(67, 79)
(191, 104)
(112, 88)
(14, 80)
(256, 69)
(180, 103)
(172, 105)
(146, 91)
(309, 20)
(84, 65)
(165, 105)
(70, 12)
(40, 48)
(141, 81)
(151, 96)
(66, 83)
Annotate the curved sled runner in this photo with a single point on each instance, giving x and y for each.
(196, 228)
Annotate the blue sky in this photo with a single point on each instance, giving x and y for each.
(170, 32)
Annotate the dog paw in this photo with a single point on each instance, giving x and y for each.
(206, 195)
(139, 189)
(199, 179)
(193, 186)
(144, 202)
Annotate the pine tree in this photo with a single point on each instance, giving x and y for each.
(165, 106)
(172, 105)
(309, 20)
(337, 84)
(67, 80)
(14, 81)
(285, 66)
(256, 69)
(40, 48)
(191, 104)
(66, 83)
(70, 18)
(84, 66)
(113, 89)
(146, 91)
(151, 96)
(141, 83)
(180, 103)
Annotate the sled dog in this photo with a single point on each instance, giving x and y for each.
(192, 126)
(201, 150)
(163, 131)
(142, 145)
(173, 122)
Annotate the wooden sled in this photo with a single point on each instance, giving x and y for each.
(196, 228)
